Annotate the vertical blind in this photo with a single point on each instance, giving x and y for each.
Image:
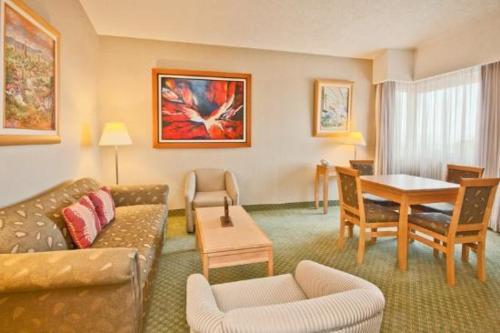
(434, 122)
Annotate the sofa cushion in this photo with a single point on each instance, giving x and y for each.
(82, 222)
(211, 199)
(210, 180)
(103, 204)
(257, 292)
(139, 227)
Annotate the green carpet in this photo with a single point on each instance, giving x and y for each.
(416, 301)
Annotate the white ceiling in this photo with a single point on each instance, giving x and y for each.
(349, 28)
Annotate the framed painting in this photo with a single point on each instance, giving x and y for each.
(200, 109)
(29, 107)
(332, 107)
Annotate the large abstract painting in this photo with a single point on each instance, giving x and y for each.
(29, 104)
(196, 109)
(332, 107)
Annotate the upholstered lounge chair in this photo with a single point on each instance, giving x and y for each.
(207, 188)
(316, 299)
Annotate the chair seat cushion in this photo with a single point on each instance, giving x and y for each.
(436, 222)
(438, 207)
(210, 199)
(257, 292)
(376, 213)
(139, 227)
(379, 200)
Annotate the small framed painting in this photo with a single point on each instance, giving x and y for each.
(199, 109)
(29, 102)
(332, 107)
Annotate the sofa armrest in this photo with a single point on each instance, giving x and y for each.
(358, 310)
(130, 195)
(48, 291)
(319, 280)
(232, 187)
(202, 312)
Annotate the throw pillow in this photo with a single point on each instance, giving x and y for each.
(82, 222)
(104, 205)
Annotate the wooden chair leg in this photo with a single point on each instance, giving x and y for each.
(361, 245)
(373, 240)
(351, 230)
(435, 252)
(481, 261)
(465, 252)
(341, 241)
(450, 267)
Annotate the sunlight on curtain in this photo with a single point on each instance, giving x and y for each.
(435, 122)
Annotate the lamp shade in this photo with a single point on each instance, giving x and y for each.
(115, 134)
(353, 138)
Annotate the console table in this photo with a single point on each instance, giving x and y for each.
(326, 172)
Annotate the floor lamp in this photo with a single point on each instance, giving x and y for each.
(115, 134)
(353, 139)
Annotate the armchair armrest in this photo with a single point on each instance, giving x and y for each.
(202, 312)
(129, 195)
(319, 280)
(80, 290)
(232, 187)
(190, 186)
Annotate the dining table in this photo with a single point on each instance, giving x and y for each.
(408, 190)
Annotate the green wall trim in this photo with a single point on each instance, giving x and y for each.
(250, 208)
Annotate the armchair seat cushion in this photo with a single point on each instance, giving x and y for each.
(210, 199)
(140, 227)
(258, 292)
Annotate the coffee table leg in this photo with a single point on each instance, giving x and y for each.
(270, 263)
(204, 265)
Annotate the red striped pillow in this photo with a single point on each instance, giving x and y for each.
(82, 222)
(104, 204)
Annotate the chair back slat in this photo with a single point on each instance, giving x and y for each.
(365, 167)
(456, 172)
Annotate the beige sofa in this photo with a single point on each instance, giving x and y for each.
(207, 188)
(317, 299)
(47, 286)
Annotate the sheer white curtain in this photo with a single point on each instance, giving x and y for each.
(432, 122)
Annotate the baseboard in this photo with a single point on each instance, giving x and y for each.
(253, 208)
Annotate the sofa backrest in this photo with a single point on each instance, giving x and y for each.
(37, 225)
(208, 180)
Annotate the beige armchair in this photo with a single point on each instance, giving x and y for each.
(317, 299)
(207, 188)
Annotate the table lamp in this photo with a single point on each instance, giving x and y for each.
(353, 138)
(115, 134)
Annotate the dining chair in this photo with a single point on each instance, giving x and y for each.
(367, 168)
(467, 225)
(368, 216)
(454, 173)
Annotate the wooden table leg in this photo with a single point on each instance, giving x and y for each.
(316, 189)
(270, 263)
(325, 193)
(403, 235)
(204, 265)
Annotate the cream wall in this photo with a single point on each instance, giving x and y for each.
(393, 65)
(476, 44)
(279, 167)
(26, 170)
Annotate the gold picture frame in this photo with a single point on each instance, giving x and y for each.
(332, 112)
(29, 104)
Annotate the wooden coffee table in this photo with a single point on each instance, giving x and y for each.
(244, 243)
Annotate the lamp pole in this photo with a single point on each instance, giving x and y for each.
(116, 164)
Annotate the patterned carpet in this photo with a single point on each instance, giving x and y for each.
(416, 301)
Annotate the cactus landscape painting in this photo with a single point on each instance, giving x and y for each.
(30, 74)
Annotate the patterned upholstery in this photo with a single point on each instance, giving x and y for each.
(101, 289)
(455, 175)
(436, 222)
(349, 190)
(375, 213)
(438, 207)
(333, 301)
(364, 168)
(36, 288)
(474, 204)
